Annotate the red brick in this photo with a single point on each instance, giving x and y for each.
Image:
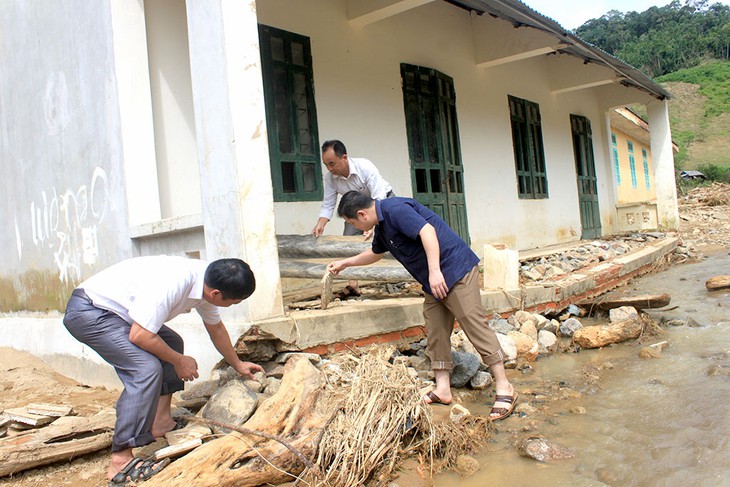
(319, 350)
(340, 346)
(389, 337)
(415, 331)
(364, 342)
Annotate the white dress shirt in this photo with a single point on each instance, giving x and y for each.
(364, 177)
(152, 290)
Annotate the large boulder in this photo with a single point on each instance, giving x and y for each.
(232, 404)
(600, 336)
(526, 346)
(465, 366)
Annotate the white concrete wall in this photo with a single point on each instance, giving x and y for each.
(359, 100)
(63, 205)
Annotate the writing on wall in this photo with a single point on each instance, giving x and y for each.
(64, 224)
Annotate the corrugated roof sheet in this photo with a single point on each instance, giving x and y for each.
(521, 15)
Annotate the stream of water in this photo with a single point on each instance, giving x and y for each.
(648, 422)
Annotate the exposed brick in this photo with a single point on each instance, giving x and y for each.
(319, 350)
(415, 331)
(389, 337)
(340, 346)
(364, 342)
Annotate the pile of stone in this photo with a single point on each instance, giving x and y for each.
(556, 265)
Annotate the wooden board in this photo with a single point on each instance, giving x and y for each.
(179, 449)
(646, 301)
(54, 410)
(717, 282)
(21, 415)
(68, 437)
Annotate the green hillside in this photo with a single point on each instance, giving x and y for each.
(700, 114)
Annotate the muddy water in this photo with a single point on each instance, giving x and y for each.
(647, 422)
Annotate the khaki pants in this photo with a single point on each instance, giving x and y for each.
(464, 304)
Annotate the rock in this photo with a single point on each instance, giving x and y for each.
(283, 358)
(653, 351)
(552, 326)
(232, 404)
(570, 326)
(508, 347)
(481, 380)
(623, 313)
(529, 329)
(600, 336)
(719, 370)
(547, 342)
(524, 409)
(466, 465)
(254, 385)
(578, 410)
(501, 326)
(523, 317)
(202, 389)
(465, 366)
(543, 450)
(575, 310)
(458, 412)
(526, 346)
(272, 385)
(256, 350)
(419, 363)
(540, 321)
(467, 346)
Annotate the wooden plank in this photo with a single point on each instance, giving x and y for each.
(326, 289)
(20, 415)
(45, 409)
(646, 301)
(717, 282)
(179, 449)
(68, 437)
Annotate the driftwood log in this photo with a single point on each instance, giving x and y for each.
(645, 301)
(68, 437)
(308, 246)
(247, 460)
(315, 270)
(717, 282)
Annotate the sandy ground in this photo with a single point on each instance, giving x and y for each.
(25, 379)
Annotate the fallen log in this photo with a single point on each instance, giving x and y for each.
(68, 437)
(717, 282)
(246, 460)
(331, 246)
(645, 301)
(315, 270)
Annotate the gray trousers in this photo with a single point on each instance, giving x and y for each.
(144, 376)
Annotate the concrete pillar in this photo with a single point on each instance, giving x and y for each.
(663, 163)
(135, 110)
(233, 155)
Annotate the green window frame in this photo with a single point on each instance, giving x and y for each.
(645, 157)
(291, 115)
(528, 148)
(616, 164)
(632, 164)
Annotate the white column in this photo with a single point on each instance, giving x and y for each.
(135, 111)
(663, 163)
(233, 155)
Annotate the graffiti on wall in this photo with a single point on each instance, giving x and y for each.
(64, 223)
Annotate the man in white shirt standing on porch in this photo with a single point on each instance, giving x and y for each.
(347, 174)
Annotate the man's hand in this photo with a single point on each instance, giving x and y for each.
(368, 234)
(335, 267)
(248, 369)
(186, 368)
(438, 284)
(319, 227)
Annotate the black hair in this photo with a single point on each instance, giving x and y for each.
(232, 277)
(352, 202)
(335, 145)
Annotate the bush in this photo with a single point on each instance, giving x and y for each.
(715, 173)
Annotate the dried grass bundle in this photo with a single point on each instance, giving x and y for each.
(380, 418)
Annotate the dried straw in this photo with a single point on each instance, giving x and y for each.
(381, 418)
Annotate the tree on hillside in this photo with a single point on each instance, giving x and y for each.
(665, 39)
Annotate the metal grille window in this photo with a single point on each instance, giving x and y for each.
(528, 148)
(291, 117)
(645, 157)
(616, 164)
(632, 164)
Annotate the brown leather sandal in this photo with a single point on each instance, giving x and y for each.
(503, 412)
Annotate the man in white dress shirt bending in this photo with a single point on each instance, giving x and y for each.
(347, 174)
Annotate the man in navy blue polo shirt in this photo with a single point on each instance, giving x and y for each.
(447, 269)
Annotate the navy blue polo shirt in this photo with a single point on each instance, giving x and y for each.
(399, 222)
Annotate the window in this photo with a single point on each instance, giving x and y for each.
(528, 147)
(645, 157)
(632, 164)
(291, 117)
(616, 165)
